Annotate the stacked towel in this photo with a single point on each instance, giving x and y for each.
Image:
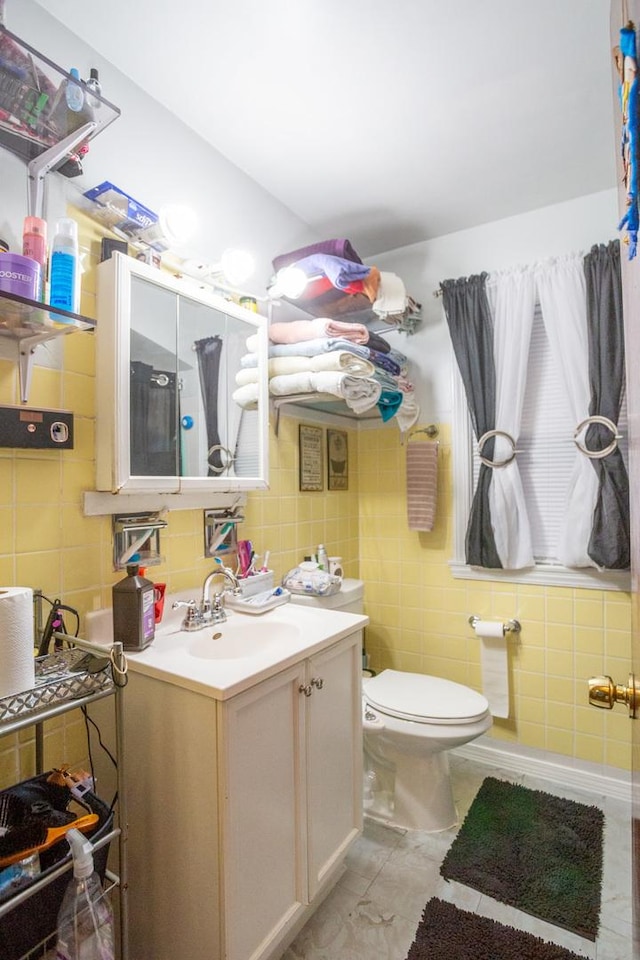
(422, 484)
(359, 393)
(339, 359)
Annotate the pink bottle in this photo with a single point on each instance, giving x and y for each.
(34, 245)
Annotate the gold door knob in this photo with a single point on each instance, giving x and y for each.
(603, 692)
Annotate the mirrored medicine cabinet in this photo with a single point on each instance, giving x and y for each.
(167, 355)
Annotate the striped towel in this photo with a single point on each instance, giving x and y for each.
(422, 484)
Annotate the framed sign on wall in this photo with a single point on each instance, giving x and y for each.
(311, 459)
(337, 460)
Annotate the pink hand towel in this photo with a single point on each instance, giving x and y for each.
(422, 484)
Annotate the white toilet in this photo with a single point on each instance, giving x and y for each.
(410, 721)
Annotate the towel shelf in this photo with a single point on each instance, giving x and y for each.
(320, 403)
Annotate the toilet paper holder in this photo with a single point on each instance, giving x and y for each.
(509, 626)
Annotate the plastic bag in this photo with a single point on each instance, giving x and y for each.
(309, 579)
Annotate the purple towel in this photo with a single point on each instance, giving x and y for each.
(335, 248)
(339, 271)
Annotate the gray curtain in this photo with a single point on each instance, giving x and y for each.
(471, 330)
(208, 352)
(154, 421)
(609, 544)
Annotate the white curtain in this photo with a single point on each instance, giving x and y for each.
(562, 293)
(511, 298)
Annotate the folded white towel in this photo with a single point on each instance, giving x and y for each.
(392, 296)
(246, 375)
(359, 393)
(246, 396)
(340, 360)
(288, 383)
(408, 412)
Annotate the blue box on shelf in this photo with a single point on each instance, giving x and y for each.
(125, 215)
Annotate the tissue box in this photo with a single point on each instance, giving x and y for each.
(256, 584)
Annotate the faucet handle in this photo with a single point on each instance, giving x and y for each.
(190, 604)
(191, 615)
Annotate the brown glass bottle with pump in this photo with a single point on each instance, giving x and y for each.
(133, 610)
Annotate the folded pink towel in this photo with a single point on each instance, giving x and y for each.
(422, 484)
(297, 331)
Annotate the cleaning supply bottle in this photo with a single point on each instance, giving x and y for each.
(133, 610)
(323, 559)
(85, 919)
(64, 274)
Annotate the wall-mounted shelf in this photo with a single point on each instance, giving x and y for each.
(35, 121)
(26, 323)
(321, 403)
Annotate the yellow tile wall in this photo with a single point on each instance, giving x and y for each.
(418, 611)
(419, 615)
(47, 542)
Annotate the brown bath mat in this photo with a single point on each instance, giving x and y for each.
(447, 933)
(536, 852)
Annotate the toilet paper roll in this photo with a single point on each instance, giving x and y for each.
(494, 660)
(17, 664)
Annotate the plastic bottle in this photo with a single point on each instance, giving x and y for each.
(133, 610)
(34, 245)
(323, 559)
(64, 274)
(85, 918)
(93, 84)
(74, 94)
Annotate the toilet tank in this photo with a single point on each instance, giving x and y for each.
(349, 598)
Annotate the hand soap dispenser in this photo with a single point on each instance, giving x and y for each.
(133, 610)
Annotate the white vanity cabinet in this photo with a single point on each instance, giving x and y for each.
(241, 810)
(168, 353)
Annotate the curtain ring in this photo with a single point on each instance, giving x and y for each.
(496, 433)
(597, 454)
(217, 447)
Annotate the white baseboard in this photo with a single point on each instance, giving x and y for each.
(581, 775)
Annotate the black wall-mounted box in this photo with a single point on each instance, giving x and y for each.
(36, 429)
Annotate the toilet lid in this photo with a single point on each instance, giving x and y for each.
(414, 696)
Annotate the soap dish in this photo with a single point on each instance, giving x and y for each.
(259, 602)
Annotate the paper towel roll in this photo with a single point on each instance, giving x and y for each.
(17, 665)
(494, 660)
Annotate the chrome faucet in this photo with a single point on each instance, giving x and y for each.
(216, 613)
(206, 612)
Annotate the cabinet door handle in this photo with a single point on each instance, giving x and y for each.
(306, 689)
(317, 682)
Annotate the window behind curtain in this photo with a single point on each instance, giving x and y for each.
(546, 453)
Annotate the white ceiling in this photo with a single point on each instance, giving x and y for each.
(387, 121)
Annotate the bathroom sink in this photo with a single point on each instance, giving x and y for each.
(238, 639)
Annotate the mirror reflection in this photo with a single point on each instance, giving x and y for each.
(184, 356)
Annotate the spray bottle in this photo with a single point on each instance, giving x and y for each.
(85, 920)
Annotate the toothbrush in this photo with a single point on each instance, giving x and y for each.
(221, 535)
(265, 566)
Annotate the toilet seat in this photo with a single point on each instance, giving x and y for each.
(424, 699)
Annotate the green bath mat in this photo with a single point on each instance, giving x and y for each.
(534, 851)
(447, 933)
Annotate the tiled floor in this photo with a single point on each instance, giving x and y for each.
(373, 912)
